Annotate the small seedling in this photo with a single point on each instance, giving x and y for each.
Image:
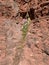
(24, 32)
(25, 27)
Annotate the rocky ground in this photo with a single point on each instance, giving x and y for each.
(34, 50)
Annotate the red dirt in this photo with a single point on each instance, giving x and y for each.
(36, 49)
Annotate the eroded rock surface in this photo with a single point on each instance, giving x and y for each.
(36, 45)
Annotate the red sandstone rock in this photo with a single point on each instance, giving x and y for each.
(36, 49)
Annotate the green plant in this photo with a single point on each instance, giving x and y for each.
(24, 30)
(25, 27)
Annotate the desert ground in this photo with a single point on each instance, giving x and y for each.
(24, 32)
